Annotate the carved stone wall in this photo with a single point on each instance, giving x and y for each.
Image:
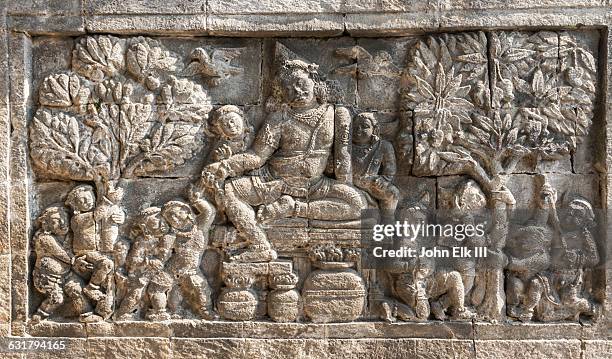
(194, 179)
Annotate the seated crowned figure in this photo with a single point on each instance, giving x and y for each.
(290, 154)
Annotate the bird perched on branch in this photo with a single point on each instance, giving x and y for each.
(214, 67)
(366, 65)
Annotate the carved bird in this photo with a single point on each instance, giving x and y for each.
(214, 67)
(366, 65)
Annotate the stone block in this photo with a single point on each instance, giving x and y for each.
(275, 7)
(150, 24)
(51, 7)
(273, 25)
(597, 349)
(255, 269)
(5, 289)
(102, 7)
(196, 348)
(129, 347)
(390, 6)
(396, 24)
(530, 4)
(530, 349)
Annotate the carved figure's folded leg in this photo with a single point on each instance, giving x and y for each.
(242, 216)
(340, 202)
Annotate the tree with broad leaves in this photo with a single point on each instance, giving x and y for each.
(551, 72)
(122, 113)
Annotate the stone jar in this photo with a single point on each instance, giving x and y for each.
(333, 293)
(237, 301)
(284, 299)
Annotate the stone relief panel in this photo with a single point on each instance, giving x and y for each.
(226, 179)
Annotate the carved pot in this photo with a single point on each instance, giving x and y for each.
(333, 293)
(237, 304)
(283, 304)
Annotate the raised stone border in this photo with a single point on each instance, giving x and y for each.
(19, 20)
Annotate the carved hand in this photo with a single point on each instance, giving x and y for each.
(217, 169)
(223, 152)
(548, 196)
(81, 265)
(504, 195)
(118, 217)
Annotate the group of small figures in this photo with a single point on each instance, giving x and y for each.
(86, 278)
(541, 269)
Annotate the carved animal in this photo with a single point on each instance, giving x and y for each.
(214, 67)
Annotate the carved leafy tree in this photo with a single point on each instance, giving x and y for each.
(543, 92)
(109, 120)
(541, 103)
(444, 83)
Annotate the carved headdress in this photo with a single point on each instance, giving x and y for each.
(287, 62)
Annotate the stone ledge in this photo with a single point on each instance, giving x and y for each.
(136, 7)
(47, 25)
(147, 24)
(528, 349)
(327, 348)
(275, 25)
(527, 331)
(186, 328)
(356, 23)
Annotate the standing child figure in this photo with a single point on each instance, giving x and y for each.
(52, 260)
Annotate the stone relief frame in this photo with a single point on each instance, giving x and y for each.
(17, 104)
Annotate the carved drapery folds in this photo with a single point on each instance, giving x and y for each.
(267, 225)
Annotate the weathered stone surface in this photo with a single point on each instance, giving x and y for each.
(100, 7)
(552, 17)
(141, 250)
(531, 349)
(129, 348)
(48, 25)
(137, 24)
(390, 6)
(527, 331)
(5, 135)
(5, 289)
(264, 25)
(52, 7)
(555, 4)
(20, 55)
(274, 7)
(378, 69)
(396, 24)
(597, 349)
(196, 348)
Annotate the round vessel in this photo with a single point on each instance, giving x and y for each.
(333, 293)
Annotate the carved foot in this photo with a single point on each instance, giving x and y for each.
(39, 317)
(520, 313)
(463, 314)
(208, 315)
(254, 255)
(438, 311)
(405, 313)
(387, 313)
(126, 317)
(90, 317)
(157, 315)
(282, 208)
